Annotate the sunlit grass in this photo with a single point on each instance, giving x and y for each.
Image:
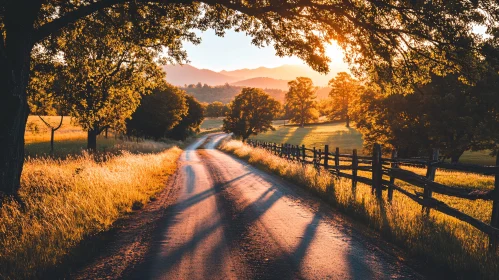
(332, 134)
(68, 139)
(68, 200)
(439, 239)
(337, 135)
(37, 131)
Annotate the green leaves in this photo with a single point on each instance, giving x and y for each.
(105, 72)
(444, 114)
(251, 112)
(216, 109)
(159, 112)
(300, 101)
(404, 41)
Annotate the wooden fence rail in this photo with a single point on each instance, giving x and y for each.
(378, 166)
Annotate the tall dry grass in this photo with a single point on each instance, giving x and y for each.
(68, 200)
(441, 240)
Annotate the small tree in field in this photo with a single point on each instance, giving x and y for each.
(216, 109)
(190, 122)
(344, 89)
(300, 101)
(158, 112)
(251, 112)
(43, 97)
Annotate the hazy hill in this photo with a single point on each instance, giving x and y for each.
(181, 75)
(263, 83)
(225, 93)
(187, 74)
(284, 72)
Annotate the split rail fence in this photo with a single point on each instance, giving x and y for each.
(379, 166)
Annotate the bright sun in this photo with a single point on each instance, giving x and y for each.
(335, 52)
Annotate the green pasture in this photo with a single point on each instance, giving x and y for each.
(337, 135)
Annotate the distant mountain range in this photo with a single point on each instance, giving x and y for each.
(181, 75)
(263, 83)
(262, 77)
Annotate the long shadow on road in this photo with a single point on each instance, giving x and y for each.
(255, 247)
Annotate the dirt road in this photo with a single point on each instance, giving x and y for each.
(232, 221)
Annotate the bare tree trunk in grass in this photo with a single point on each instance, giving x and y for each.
(52, 131)
(92, 140)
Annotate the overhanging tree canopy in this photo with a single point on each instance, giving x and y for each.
(376, 35)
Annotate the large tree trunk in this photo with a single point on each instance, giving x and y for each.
(454, 158)
(14, 114)
(348, 121)
(15, 51)
(92, 140)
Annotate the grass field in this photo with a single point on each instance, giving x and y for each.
(37, 131)
(68, 139)
(75, 195)
(211, 124)
(70, 199)
(441, 240)
(334, 135)
(337, 135)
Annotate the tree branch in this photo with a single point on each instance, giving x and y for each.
(60, 124)
(83, 11)
(46, 123)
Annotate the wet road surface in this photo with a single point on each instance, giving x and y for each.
(233, 221)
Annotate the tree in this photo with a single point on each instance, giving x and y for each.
(104, 76)
(300, 101)
(190, 122)
(343, 90)
(431, 31)
(216, 109)
(445, 114)
(158, 112)
(251, 112)
(43, 97)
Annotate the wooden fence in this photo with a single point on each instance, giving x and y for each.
(379, 166)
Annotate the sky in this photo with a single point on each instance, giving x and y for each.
(235, 51)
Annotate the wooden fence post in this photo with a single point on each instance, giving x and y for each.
(355, 164)
(281, 151)
(326, 158)
(315, 154)
(377, 173)
(430, 175)
(304, 156)
(337, 160)
(494, 221)
(392, 178)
